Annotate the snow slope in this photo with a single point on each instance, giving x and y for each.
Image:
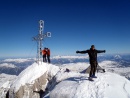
(33, 72)
(107, 85)
(29, 75)
(6, 79)
(5, 83)
(75, 83)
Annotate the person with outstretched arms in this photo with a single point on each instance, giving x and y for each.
(92, 52)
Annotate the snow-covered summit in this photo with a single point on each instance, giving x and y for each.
(30, 74)
(117, 57)
(71, 83)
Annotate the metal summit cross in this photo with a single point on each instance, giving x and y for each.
(39, 38)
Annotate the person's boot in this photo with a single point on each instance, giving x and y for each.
(90, 79)
(93, 76)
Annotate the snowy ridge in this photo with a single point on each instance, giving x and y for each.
(33, 72)
(117, 57)
(29, 75)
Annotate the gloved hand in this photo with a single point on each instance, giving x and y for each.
(104, 51)
(77, 51)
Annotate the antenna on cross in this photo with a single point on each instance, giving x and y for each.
(39, 38)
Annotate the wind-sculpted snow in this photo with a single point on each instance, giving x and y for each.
(33, 72)
(29, 75)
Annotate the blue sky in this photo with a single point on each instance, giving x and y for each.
(74, 24)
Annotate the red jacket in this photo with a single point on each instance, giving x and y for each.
(48, 52)
(44, 52)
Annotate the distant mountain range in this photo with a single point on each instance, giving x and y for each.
(15, 66)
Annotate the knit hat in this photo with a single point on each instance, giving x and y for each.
(92, 46)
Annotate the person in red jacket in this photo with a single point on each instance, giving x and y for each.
(48, 55)
(44, 53)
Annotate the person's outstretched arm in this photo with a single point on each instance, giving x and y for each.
(101, 51)
(82, 52)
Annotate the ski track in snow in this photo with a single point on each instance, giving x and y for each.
(93, 89)
(96, 88)
(77, 85)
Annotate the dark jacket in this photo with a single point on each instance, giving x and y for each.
(92, 54)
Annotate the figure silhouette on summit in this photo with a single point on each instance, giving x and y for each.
(92, 52)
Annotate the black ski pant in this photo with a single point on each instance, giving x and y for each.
(44, 58)
(93, 68)
(48, 58)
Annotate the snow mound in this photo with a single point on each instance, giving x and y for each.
(5, 80)
(33, 72)
(29, 75)
(107, 85)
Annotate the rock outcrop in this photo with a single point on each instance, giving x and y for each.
(34, 81)
(31, 90)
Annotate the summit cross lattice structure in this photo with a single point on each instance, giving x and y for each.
(39, 38)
